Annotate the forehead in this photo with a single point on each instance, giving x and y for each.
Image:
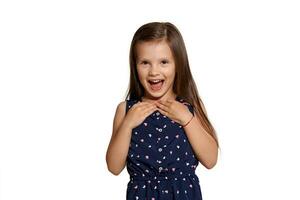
(153, 50)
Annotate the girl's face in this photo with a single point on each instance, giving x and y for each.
(155, 62)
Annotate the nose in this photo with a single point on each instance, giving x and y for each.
(154, 70)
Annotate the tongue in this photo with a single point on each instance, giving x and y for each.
(156, 86)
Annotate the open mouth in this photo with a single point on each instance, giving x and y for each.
(156, 85)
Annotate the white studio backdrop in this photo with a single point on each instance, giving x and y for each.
(64, 68)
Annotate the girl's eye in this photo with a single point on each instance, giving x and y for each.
(144, 62)
(164, 61)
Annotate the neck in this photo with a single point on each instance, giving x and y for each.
(154, 99)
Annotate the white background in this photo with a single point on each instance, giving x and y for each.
(65, 67)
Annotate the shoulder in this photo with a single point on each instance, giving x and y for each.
(124, 106)
(121, 107)
(119, 116)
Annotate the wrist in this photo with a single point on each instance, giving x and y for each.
(126, 124)
(187, 122)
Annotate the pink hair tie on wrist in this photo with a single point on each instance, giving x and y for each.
(188, 122)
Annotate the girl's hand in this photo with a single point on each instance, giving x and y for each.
(175, 110)
(138, 113)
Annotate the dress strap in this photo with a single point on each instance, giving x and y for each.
(130, 103)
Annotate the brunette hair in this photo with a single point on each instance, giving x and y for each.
(184, 84)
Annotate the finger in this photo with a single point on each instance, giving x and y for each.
(151, 110)
(145, 104)
(166, 103)
(162, 106)
(149, 103)
(136, 105)
(162, 111)
(151, 107)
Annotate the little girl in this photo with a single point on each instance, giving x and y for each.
(162, 131)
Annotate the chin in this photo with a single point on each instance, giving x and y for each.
(156, 95)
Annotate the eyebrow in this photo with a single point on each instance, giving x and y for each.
(145, 59)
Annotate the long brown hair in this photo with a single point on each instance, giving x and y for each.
(184, 84)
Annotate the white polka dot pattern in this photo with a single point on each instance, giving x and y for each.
(160, 161)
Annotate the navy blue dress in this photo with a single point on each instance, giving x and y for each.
(161, 162)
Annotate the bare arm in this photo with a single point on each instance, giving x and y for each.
(203, 144)
(119, 144)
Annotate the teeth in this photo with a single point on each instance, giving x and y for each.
(155, 81)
